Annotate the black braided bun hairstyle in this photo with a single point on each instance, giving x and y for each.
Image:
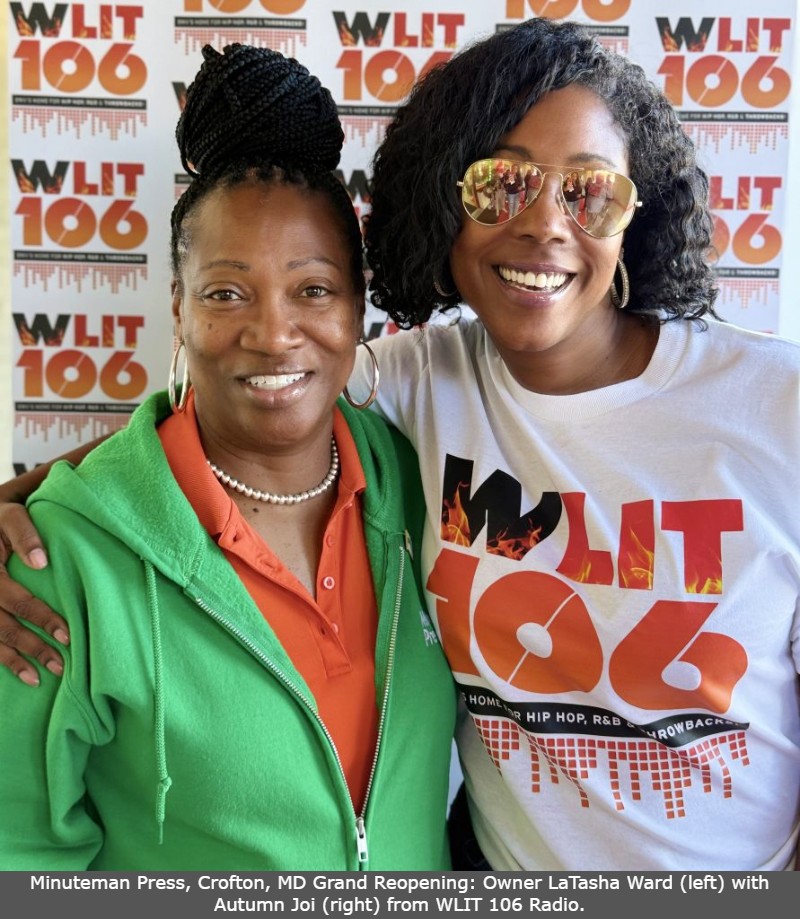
(251, 103)
(253, 115)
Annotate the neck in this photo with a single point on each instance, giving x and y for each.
(288, 472)
(592, 359)
(280, 498)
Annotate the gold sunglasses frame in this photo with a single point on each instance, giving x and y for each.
(544, 170)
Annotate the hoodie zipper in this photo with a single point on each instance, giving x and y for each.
(360, 827)
(362, 836)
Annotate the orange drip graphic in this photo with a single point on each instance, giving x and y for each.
(671, 772)
(613, 43)
(287, 41)
(84, 427)
(364, 129)
(89, 277)
(41, 118)
(748, 292)
(755, 137)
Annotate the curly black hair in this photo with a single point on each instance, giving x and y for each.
(458, 113)
(253, 115)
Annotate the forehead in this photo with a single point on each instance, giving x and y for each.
(570, 125)
(260, 221)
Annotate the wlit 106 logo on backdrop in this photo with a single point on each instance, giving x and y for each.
(78, 67)
(383, 53)
(728, 77)
(78, 78)
(79, 87)
(605, 18)
(276, 24)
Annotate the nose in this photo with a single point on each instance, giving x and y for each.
(546, 216)
(271, 327)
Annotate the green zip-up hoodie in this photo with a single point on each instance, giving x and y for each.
(180, 736)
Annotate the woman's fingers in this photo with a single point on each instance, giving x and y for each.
(17, 608)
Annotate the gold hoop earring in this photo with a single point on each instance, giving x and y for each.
(178, 405)
(445, 295)
(620, 300)
(376, 378)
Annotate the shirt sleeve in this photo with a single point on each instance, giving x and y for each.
(46, 736)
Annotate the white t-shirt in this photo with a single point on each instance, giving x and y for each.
(614, 576)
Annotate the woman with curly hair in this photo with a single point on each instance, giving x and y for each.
(612, 543)
(612, 548)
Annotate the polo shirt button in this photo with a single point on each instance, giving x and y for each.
(335, 628)
(329, 540)
(328, 583)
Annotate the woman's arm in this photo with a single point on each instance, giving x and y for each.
(18, 535)
(46, 736)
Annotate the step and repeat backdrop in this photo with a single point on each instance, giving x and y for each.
(95, 90)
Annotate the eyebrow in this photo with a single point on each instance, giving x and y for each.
(225, 263)
(295, 263)
(302, 262)
(577, 159)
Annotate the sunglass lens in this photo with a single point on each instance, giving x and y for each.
(601, 202)
(483, 192)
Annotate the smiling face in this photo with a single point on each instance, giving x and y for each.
(270, 315)
(538, 282)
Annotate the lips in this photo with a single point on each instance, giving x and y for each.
(533, 280)
(274, 381)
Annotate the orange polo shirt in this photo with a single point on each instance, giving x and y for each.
(331, 638)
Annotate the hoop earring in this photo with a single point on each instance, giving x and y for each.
(376, 378)
(620, 300)
(445, 295)
(178, 405)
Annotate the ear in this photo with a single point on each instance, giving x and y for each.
(177, 309)
(360, 308)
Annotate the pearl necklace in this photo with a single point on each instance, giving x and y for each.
(270, 498)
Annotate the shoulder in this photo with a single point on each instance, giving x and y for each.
(121, 487)
(446, 333)
(758, 369)
(139, 435)
(733, 339)
(376, 438)
(417, 368)
(387, 458)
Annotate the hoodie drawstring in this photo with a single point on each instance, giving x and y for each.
(164, 780)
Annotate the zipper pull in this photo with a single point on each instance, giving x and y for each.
(409, 547)
(361, 841)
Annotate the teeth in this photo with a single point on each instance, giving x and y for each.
(275, 382)
(532, 279)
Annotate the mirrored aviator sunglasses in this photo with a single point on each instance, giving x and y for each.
(601, 202)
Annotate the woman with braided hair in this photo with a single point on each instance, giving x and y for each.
(612, 549)
(235, 568)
